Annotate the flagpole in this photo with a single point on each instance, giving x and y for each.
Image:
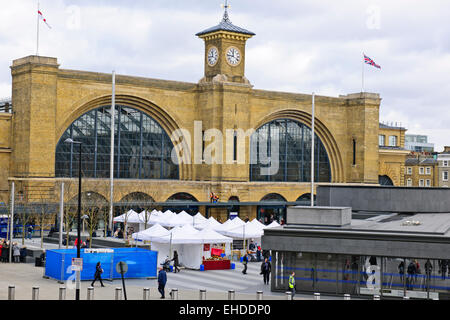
(111, 165)
(37, 40)
(362, 87)
(312, 149)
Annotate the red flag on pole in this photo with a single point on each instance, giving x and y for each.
(41, 17)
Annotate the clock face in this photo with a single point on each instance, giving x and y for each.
(213, 56)
(233, 56)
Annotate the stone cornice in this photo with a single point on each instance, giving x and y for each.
(225, 35)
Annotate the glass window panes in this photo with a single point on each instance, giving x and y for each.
(281, 151)
(142, 148)
(392, 141)
(381, 140)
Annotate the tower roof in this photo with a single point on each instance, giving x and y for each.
(225, 25)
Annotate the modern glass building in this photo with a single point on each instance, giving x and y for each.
(372, 253)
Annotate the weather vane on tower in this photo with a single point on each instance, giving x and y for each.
(226, 6)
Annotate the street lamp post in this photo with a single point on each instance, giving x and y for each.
(77, 292)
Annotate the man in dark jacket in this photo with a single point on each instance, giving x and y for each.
(245, 262)
(266, 268)
(162, 280)
(23, 254)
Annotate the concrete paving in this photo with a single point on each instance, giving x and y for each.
(188, 282)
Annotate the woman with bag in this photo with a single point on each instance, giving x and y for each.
(98, 274)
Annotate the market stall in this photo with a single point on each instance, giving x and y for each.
(216, 249)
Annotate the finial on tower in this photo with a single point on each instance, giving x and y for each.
(226, 6)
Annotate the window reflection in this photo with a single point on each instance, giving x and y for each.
(294, 145)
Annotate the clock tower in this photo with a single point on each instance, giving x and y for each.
(225, 51)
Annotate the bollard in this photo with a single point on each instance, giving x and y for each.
(316, 296)
(346, 296)
(259, 295)
(376, 297)
(202, 294)
(118, 294)
(288, 295)
(146, 293)
(62, 293)
(35, 293)
(11, 292)
(405, 298)
(90, 293)
(231, 295)
(174, 294)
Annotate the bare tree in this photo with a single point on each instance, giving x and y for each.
(22, 212)
(44, 211)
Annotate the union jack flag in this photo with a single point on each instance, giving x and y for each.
(367, 60)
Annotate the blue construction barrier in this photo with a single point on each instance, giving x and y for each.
(141, 263)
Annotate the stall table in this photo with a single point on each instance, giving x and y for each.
(217, 264)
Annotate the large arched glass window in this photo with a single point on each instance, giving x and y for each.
(292, 141)
(142, 147)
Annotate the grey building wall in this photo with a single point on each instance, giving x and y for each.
(385, 199)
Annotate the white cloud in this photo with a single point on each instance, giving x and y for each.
(300, 46)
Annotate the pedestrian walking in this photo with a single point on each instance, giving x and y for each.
(411, 270)
(30, 232)
(16, 252)
(162, 280)
(401, 270)
(5, 252)
(244, 262)
(292, 284)
(98, 274)
(266, 268)
(443, 269)
(23, 254)
(176, 262)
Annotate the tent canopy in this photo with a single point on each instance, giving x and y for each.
(274, 224)
(155, 232)
(256, 223)
(208, 235)
(211, 223)
(230, 224)
(131, 217)
(246, 231)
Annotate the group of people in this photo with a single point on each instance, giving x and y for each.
(413, 269)
(18, 253)
(266, 268)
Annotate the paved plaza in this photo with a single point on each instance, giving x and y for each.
(188, 282)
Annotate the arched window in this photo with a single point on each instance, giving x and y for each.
(235, 208)
(291, 140)
(182, 197)
(266, 214)
(185, 197)
(305, 199)
(385, 181)
(142, 147)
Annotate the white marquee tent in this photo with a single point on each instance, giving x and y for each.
(208, 223)
(131, 217)
(229, 224)
(189, 244)
(155, 232)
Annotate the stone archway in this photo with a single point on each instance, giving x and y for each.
(161, 116)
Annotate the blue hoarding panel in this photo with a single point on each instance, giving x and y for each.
(141, 263)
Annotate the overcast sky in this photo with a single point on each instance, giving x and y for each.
(300, 46)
